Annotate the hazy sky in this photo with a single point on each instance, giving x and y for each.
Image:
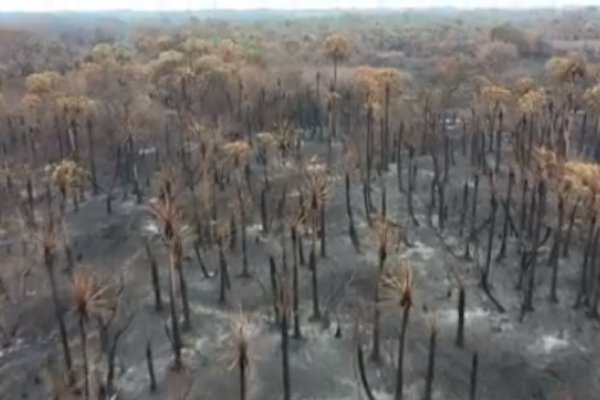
(55, 5)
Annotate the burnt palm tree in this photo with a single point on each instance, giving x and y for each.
(384, 238)
(351, 164)
(266, 143)
(48, 237)
(337, 46)
(317, 184)
(238, 153)
(221, 232)
(431, 360)
(244, 203)
(239, 349)
(295, 219)
(168, 217)
(398, 289)
(90, 300)
(284, 307)
(68, 177)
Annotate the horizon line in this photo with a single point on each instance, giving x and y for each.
(292, 10)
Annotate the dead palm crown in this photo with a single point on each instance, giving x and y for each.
(566, 70)
(221, 229)
(66, 174)
(397, 284)
(317, 184)
(385, 235)
(90, 298)
(168, 216)
(238, 346)
(239, 351)
(165, 209)
(546, 166)
(47, 238)
(295, 216)
(237, 153)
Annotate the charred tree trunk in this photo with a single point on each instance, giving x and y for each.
(507, 201)
(532, 207)
(59, 314)
(383, 201)
(369, 159)
(30, 202)
(400, 365)
(363, 373)
(109, 204)
(376, 352)
(175, 335)
(223, 273)
(83, 336)
(301, 257)
(465, 206)
(488, 258)
(242, 363)
(134, 170)
(385, 130)
(592, 278)
(351, 226)
(200, 260)
(499, 142)
(92, 157)
(447, 155)
(295, 284)
(441, 204)
(399, 158)
(287, 391)
(263, 207)
(111, 358)
(460, 332)
(430, 365)
(158, 305)
(473, 379)
(323, 229)
(281, 206)
(312, 265)
(582, 134)
(245, 272)
(187, 322)
(473, 215)
(150, 365)
(541, 200)
(232, 233)
(555, 250)
(524, 189)
(581, 292)
(274, 289)
(318, 118)
(565, 249)
(366, 204)
(411, 184)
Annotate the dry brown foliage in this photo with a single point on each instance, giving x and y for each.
(337, 46)
(398, 284)
(90, 298)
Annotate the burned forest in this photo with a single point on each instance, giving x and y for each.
(300, 205)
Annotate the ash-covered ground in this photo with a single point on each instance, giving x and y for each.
(551, 354)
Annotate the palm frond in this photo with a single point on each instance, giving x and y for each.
(90, 298)
(239, 344)
(397, 284)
